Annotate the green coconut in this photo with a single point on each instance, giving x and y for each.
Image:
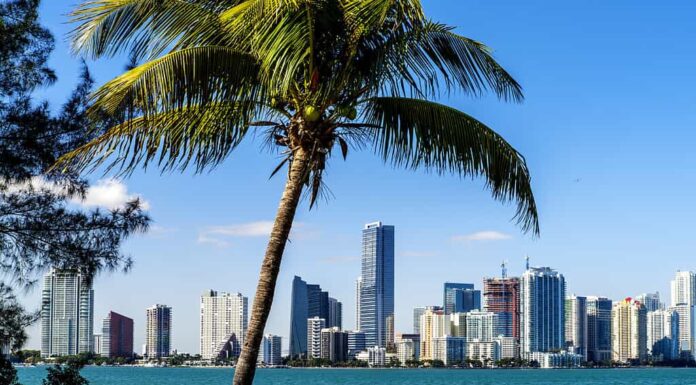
(311, 113)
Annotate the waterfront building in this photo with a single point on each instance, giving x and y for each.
(376, 356)
(418, 312)
(599, 329)
(460, 298)
(356, 343)
(334, 344)
(485, 351)
(415, 338)
(687, 330)
(314, 327)
(377, 285)
(158, 331)
(221, 316)
(502, 297)
(683, 289)
(508, 347)
(309, 301)
(576, 325)
(651, 301)
(542, 313)
(97, 339)
(67, 314)
(448, 349)
(629, 340)
(434, 324)
(117, 336)
(663, 334)
(555, 360)
(358, 286)
(481, 326)
(406, 350)
(271, 352)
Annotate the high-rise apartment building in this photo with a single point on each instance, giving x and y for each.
(309, 301)
(271, 353)
(599, 329)
(502, 297)
(576, 325)
(687, 330)
(222, 315)
(684, 302)
(117, 336)
(629, 340)
(334, 344)
(663, 334)
(356, 343)
(358, 287)
(314, 328)
(418, 312)
(67, 314)
(684, 288)
(448, 349)
(481, 326)
(158, 331)
(651, 301)
(460, 298)
(433, 324)
(377, 286)
(542, 311)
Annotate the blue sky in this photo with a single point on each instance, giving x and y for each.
(607, 129)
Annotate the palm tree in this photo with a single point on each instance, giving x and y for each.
(313, 76)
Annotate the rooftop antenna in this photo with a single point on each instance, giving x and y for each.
(504, 268)
(527, 261)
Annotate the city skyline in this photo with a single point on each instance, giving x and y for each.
(602, 224)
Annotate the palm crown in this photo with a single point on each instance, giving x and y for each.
(315, 75)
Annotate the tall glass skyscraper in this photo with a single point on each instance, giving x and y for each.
(599, 329)
(460, 298)
(67, 314)
(377, 284)
(542, 307)
(309, 301)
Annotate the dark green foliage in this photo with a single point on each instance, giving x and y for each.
(8, 374)
(65, 374)
(38, 227)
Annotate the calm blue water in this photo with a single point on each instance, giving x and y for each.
(204, 376)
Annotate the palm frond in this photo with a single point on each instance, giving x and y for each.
(146, 28)
(204, 135)
(189, 77)
(421, 134)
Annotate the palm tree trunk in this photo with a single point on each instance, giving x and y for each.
(246, 365)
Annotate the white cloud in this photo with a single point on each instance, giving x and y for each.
(105, 193)
(110, 194)
(219, 235)
(482, 236)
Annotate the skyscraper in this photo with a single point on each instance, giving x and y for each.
(117, 336)
(418, 312)
(684, 288)
(433, 324)
(502, 297)
(684, 302)
(271, 350)
(542, 313)
(663, 334)
(687, 330)
(576, 325)
(67, 314)
(356, 343)
(358, 287)
(335, 314)
(221, 316)
(334, 344)
(629, 340)
(460, 298)
(158, 332)
(314, 328)
(309, 301)
(651, 301)
(377, 288)
(481, 326)
(598, 329)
